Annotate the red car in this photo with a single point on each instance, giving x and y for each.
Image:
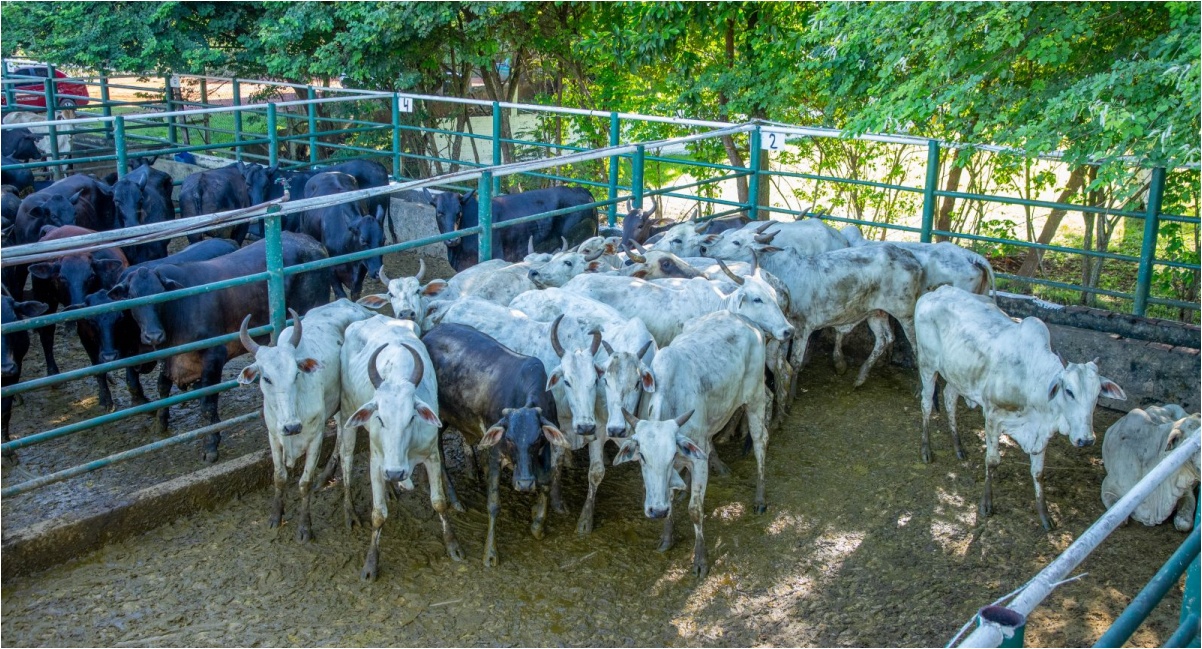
(69, 94)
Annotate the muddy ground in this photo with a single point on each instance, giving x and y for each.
(862, 545)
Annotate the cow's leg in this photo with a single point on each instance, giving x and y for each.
(557, 458)
(596, 473)
(782, 373)
(1184, 520)
(882, 333)
(494, 505)
(438, 499)
(927, 400)
(358, 274)
(46, 336)
(950, 395)
(133, 382)
(164, 414)
(538, 513)
(1037, 476)
(699, 478)
(214, 361)
(9, 458)
(446, 475)
(346, 451)
(992, 460)
(104, 396)
(279, 479)
(304, 528)
(837, 353)
(666, 536)
(907, 328)
(756, 412)
(379, 514)
(798, 358)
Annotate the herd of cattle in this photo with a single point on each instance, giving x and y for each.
(660, 337)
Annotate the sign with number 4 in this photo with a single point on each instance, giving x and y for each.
(771, 140)
(406, 104)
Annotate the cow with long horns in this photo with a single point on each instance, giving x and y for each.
(301, 381)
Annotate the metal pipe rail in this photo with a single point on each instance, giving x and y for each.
(1042, 584)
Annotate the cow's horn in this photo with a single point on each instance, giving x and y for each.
(250, 345)
(564, 247)
(765, 226)
(419, 366)
(372, 372)
(639, 247)
(680, 421)
(530, 245)
(421, 268)
(592, 350)
(634, 255)
(643, 351)
(755, 262)
(608, 349)
(733, 277)
(631, 420)
(700, 227)
(555, 337)
(383, 276)
(654, 206)
(296, 328)
(766, 238)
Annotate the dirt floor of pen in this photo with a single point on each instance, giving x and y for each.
(862, 545)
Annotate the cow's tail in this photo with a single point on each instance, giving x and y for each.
(987, 284)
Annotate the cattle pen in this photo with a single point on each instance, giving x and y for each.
(269, 130)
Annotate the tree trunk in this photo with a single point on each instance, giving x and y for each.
(944, 219)
(1087, 262)
(728, 142)
(1034, 256)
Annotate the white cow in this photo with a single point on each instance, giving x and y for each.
(408, 297)
(710, 371)
(563, 267)
(1024, 389)
(1134, 445)
(805, 238)
(301, 382)
(942, 263)
(388, 390)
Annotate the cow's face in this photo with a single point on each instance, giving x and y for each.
(660, 264)
(75, 276)
(681, 240)
(1073, 395)
(577, 376)
(279, 369)
(594, 247)
(141, 283)
(13, 346)
(104, 326)
(368, 233)
(733, 245)
(26, 146)
(258, 180)
(448, 211)
(394, 412)
(757, 301)
(56, 210)
(127, 199)
(624, 380)
(523, 437)
(656, 445)
(562, 267)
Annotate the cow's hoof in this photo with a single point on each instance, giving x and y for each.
(1182, 524)
(761, 508)
(274, 520)
(304, 534)
(537, 531)
(455, 552)
(351, 518)
(926, 455)
(490, 559)
(138, 400)
(209, 456)
(985, 509)
(960, 455)
(700, 570)
(584, 527)
(664, 545)
(369, 572)
(458, 506)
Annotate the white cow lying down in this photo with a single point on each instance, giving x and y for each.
(1134, 445)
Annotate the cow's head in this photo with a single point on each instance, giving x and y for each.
(739, 245)
(10, 312)
(104, 326)
(758, 302)
(682, 240)
(577, 376)
(594, 248)
(406, 294)
(24, 145)
(278, 369)
(258, 180)
(524, 437)
(75, 276)
(368, 233)
(625, 378)
(448, 211)
(54, 209)
(127, 199)
(656, 446)
(1072, 396)
(141, 283)
(660, 264)
(562, 267)
(395, 409)
(636, 225)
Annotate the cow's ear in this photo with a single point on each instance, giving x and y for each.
(273, 169)
(426, 413)
(380, 214)
(241, 166)
(119, 292)
(646, 378)
(556, 437)
(611, 248)
(428, 196)
(600, 370)
(592, 267)
(1111, 390)
(169, 284)
(109, 265)
(492, 436)
(555, 377)
(769, 249)
(44, 270)
(45, 230)
(467, 197)
(640, 273)
(362, 415)
(1054, 388)
(31, 308)
(628, 451)
(687, 448)
(435, 287)
(37, 211)
(142, 181)
(248, 374)
(309, 365)
(374, 301)
(104, 189)
(75, 197)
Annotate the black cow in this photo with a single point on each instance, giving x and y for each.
(144, 196)
(480, 380)
(13, 347)
(456, 212)
(197, 317)
(10, 203)
(69, 279)
(20, 179)
(91, 199)
(114, 335)
(344, 229)
(212, 191)
(20, 144)
(637, 225)
(369, 174)
(37, 211)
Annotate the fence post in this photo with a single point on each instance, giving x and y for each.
(169, 96)
(204, 101)
(275, 271)
(496, 141)
(396, 136)
(105, 108)
(1147, 251)
(484, 199)
(51, 103)
(273, 138)
(753, 183)
(1189, 601)
(928, 193)
(636, 180)
(10, 93)
(615, 134)
(237, 92)
(119, 141)
(312, 94)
